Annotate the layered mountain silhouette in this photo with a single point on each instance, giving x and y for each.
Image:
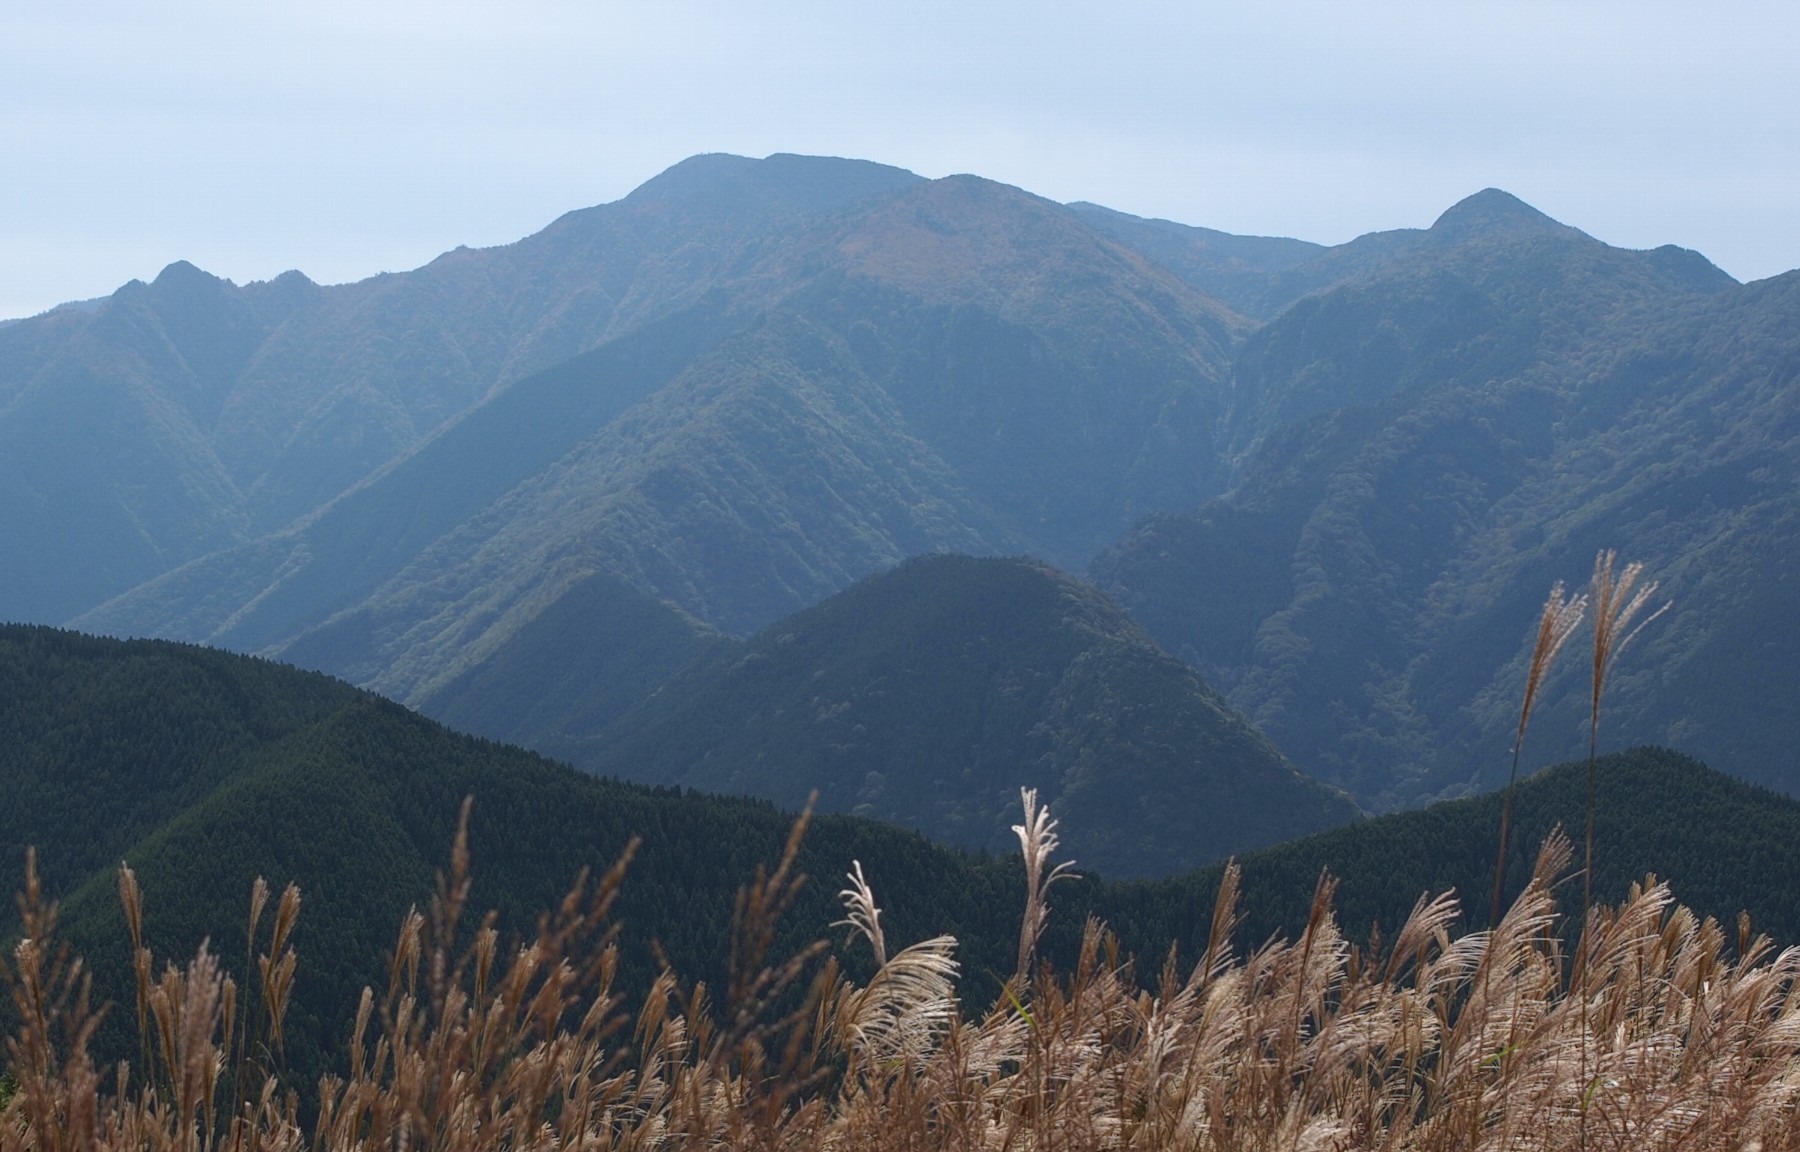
(928, 695)
(1456, 433)
(943, 365)
(1337, 481)
(241, 409)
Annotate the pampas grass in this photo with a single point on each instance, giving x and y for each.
(1616, 601)
(1038, 841)
(1562, 613)
(1439, 1041)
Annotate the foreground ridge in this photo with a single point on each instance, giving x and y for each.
(1430, 1041)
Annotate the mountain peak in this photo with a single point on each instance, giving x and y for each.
(808, 183)
(1492, 211)
(182, 274)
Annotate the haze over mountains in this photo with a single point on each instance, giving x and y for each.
(1335, 481)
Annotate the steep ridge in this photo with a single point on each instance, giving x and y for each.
(1459, 435)
(957, 365)
(183, 416)
(265, 591)
(108, 474)
(767, 477)
(928, 695)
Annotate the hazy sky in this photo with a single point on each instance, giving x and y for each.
(345, 139)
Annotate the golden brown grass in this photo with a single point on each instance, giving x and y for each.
(1562, 613)
(1617, 599)
(1437, 1041)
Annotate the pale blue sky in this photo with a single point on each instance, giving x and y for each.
(346, 139)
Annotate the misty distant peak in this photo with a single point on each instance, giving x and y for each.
(1492, 211)
(801, 182)
(183, 275)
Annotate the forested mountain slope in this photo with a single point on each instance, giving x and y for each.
(600, 650)
(950, 365)
(1339, 493)
(189, 414)
(1455, 436)
(928, 695)
(204, 770)
(1723, 845)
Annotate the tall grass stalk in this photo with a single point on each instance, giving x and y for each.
(1562, 613)
(1038, 841)
(1616, 601)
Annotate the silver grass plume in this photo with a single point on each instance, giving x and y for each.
(1562, 613)
(861, 913)
(911, 998)
(1616, 600)
(905, 1007)
(1037, 839)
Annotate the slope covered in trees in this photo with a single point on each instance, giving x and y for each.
(937, 365)
(1454, 434)
(204, 770)
(1725, 847)
(928, 695)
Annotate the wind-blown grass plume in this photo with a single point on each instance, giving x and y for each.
(1562, 613)
(861, 914)
(1037, 840)
(1616, 601)
(910, 1000)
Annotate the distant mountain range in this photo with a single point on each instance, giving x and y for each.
(1334, 481)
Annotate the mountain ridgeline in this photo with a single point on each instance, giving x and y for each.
(834, 387)
(528, 487)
